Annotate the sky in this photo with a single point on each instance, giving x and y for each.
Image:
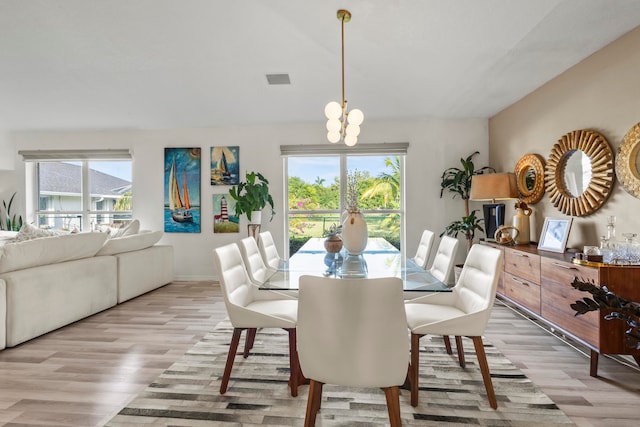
(310, 168)
(121, 170)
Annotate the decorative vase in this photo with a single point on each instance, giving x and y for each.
(333, 244)
(354, 232)
(521, 222)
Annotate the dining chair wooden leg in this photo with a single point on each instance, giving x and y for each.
(414, 367)
(460, 350)
(313, 403)
(249, 340)
(447, 344)
(233, 348)
(295, 373)
(484, 368)
(393, 405)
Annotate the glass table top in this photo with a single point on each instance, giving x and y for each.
(380, 259)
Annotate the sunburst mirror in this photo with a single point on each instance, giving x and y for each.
(627, 162)
(530, 178)
(579, 172)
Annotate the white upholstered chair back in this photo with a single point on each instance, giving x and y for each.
(236, 286)
(268, 250)
(475, 291)
(352, 332)
(424, 249)
(442, 267)
(257, 269)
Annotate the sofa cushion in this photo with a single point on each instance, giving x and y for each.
(128, 230)
(29, 232)
(49, 250)
(134, 242)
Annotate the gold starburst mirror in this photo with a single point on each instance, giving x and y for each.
(628, 161)
(579, 172)
(530, 178)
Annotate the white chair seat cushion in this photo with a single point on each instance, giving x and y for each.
(266, 314)
(428, 315)
(437, 319)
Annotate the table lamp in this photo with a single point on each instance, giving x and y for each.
(493, 187)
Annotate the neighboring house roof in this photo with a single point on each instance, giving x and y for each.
(58, 177)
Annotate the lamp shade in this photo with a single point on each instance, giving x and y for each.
(494, 186)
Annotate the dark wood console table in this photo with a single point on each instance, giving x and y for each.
(539, 282)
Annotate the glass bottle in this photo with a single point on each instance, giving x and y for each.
(611, 228)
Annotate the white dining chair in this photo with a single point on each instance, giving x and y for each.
(424, 249)
(464, 311)
(258, 271)
(442, 269)
(269, 251)
(250, 308)
(352, 332)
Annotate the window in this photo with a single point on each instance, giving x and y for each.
(316, 186)
(81, 194)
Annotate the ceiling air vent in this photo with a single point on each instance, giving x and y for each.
(278, 79)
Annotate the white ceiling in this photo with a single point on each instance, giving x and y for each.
(118, 64)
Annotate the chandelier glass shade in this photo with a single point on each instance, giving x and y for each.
(342, 124)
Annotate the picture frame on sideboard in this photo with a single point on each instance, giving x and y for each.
(555, 234)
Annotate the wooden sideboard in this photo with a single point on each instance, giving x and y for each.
(539, 282)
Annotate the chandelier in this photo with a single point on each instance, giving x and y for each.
(342, 124)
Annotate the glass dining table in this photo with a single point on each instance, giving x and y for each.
(379, 259)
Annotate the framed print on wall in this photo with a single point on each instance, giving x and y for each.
(225, 165)
(555, 233)
(182, 190)
(224, 217)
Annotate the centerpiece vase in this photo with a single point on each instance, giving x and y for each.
(354, 232)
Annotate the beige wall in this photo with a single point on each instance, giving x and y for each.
(601, 93)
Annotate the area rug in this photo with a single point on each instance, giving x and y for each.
(187, 394)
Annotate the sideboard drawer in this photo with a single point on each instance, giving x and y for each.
(522, 264)
(523, 292)
(564, 272)
(557, 295)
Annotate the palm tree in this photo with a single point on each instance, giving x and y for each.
(387, 184)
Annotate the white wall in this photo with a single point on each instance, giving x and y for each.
(434, 146)
(601, 93)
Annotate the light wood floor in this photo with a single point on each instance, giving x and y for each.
(83, 374)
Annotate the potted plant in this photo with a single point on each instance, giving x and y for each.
(11, 223)
(458, 182)
(252, 196)
(332, 242)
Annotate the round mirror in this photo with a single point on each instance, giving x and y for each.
(530, 178)
(628, 162)
(579, 172)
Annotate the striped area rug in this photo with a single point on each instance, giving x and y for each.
(187, 393)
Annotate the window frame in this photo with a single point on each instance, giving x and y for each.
(379, 150)
(33, 160)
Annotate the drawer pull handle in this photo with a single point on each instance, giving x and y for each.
(566, 267)
(522, 255)
(521, 282)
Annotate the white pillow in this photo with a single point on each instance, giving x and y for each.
(130, 229)
(135, 242)
(50, 250)
(28, 232)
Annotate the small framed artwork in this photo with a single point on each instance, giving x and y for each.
(224, 217)
(225, 165)
(555, 233)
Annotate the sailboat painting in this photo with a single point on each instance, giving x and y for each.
(182, 190)
(225, 165)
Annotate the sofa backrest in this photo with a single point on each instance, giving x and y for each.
(49, 250)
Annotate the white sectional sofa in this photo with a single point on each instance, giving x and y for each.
(49, 282)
